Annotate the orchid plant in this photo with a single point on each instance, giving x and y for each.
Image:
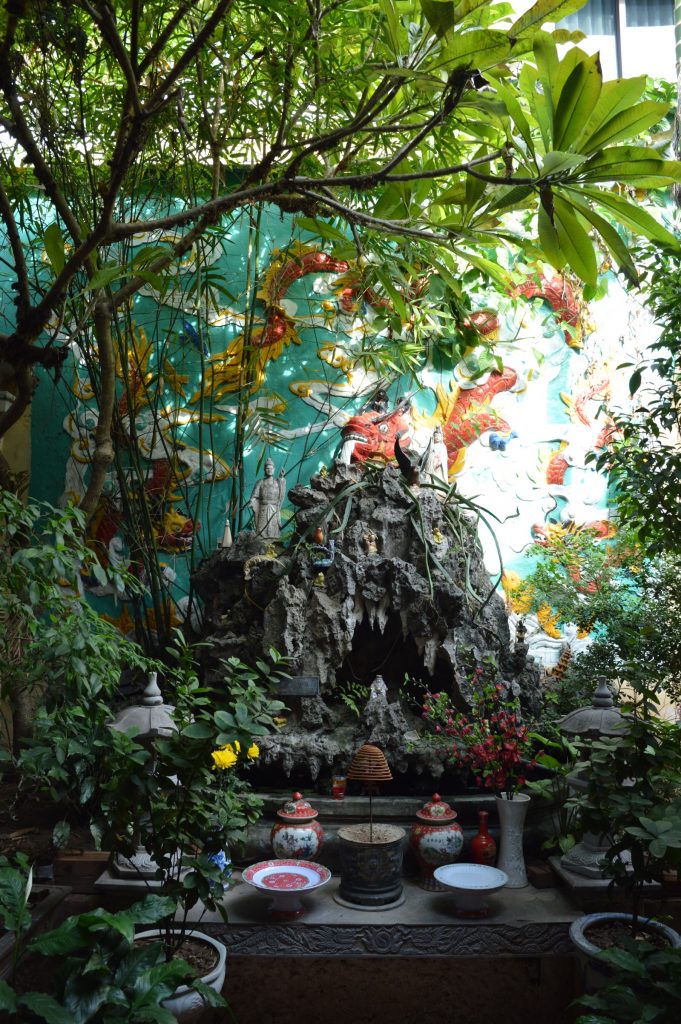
(492, 740)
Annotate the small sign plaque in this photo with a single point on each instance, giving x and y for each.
(298, 686)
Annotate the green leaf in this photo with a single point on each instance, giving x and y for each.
(487, 267)
(506, 196)
(612, 238)
(85, 993)
(395, 297)
(54, 247)
(510, 101)
(208, 994)
(625, 125)
(105, 275)
(477, 48)
(464, 7)
(548, 68)
(198, 731)
(321, 228)
(632, 216)
(156, 1014)
(60, 834)
(578, 98)
(549, 241)
(439, 15)
(474, 186)
(151, 909)
(47, 1008)
(224, 720)
(556, 162)
(543, 11)
(658, 847)
(633, 165)
(8, 999)
(539, 102)
(393, 24)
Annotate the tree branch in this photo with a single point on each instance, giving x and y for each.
(134, 33)
(450, 101)
(23, 299)
(103, 454)
(107, 26)
(164, 36)
(393, 227)
(189, 54)
(20, 131)
(23, 378)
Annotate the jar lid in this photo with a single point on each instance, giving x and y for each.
(436, 811)
(297, 809)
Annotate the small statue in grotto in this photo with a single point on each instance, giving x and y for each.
(369, 540)
(266, 501)
(436, 462)
(378, 690)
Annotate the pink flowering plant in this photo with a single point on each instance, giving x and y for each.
(492, 740)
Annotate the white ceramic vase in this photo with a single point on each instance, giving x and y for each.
(186, 1001)
(512, 821)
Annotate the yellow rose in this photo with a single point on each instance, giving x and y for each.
(253, 751)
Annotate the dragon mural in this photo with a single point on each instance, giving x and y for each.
(464, 415)
(515, 436)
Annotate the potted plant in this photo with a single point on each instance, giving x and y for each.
(182, 798)
(50, 632)
(633, 797)
(497, 747)
(25, 910)
(644, 985)
(90, 969)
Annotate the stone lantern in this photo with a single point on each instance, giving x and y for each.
(146, 720)
(601, 718)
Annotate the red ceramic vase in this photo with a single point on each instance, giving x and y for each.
(483, 846)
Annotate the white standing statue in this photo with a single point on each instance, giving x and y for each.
(436, 467)
(266, 501)
(378, 690)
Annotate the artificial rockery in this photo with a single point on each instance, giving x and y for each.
(379, 594)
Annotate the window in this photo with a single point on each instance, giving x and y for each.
(633, 37)
(597, 18)
(648, 13)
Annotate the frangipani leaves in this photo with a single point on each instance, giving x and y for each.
(543, 11)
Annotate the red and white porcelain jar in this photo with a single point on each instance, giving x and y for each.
(297, 835)
(436, 839)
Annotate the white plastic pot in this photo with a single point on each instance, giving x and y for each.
(185, 1000)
